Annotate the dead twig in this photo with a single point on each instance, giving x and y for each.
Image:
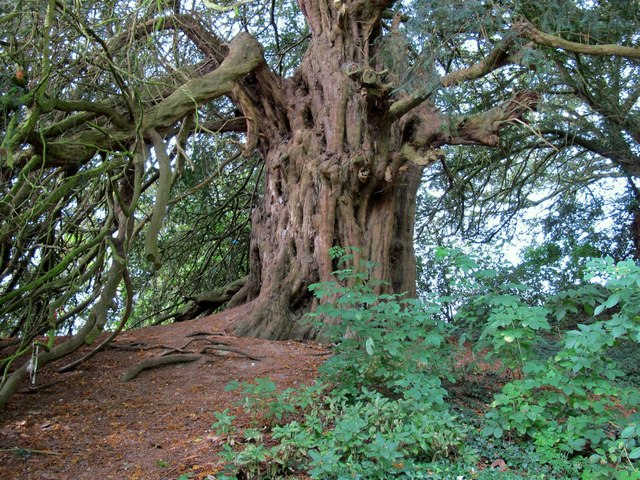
(24, 452)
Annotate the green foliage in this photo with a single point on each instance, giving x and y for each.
(564, 175)
(458, 279)
(553, 267)
(573, 402)
(204, 245)
(383, 341)
(330, 436)
(379, 409)
(512, 327)
(224, 422)
(261, 398)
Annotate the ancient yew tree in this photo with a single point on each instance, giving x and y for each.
(337, 101)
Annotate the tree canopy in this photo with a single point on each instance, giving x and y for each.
(154, 152)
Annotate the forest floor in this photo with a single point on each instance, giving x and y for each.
(89, 424)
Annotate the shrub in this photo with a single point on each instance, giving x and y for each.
(572, 403)
(379, 410)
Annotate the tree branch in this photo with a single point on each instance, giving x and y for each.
(244, 56)
(627, 161)
(428, 130)
(89, 107)
(496, 59)
(162, 197)
(483, 128)
(526, 29)
(187, 23)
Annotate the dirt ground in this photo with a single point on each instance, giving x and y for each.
(89, 424)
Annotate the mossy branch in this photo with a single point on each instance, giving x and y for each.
(527, 30)
(56, 271)
(71, 184)
(114, 334)
(162, 198)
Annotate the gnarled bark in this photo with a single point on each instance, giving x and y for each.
(344, 166)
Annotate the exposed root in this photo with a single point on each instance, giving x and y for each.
(229, 349)
(154, 362)
(142, 346)
(170, 350)
(208, 340)
(205, 334)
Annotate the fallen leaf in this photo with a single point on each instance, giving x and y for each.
(500, 463)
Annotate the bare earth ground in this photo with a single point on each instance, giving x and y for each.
(88, 424)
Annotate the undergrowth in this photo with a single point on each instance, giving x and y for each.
(382, 408)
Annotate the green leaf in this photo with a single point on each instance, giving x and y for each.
(487, 431)
(612, 301)
(618, 331)
(231, 386)
(628, 432)
(486, 273)
(635, 453)
(368, 346)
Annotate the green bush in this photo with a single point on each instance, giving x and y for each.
(381, 407)
(572, 403)
(379, 410)
(383, 342)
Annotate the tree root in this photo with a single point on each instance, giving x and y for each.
(170, 350)
(134, 371)
(205, 303)
(214, 342)
(229, 349)
(177, 354)
(133, 346)
(205, 334)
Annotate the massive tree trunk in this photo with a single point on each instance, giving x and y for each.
(343, 148)
(343, 165)
(332, 178)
